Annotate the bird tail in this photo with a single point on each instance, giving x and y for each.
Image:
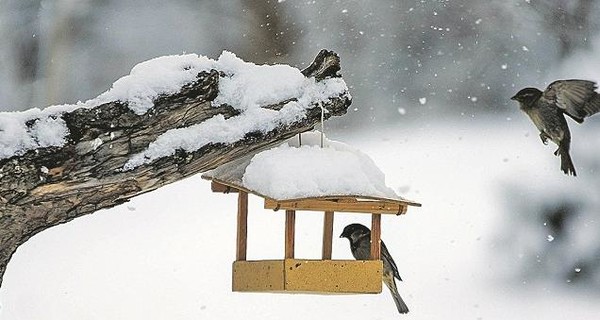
(391, 284)
(566, 163)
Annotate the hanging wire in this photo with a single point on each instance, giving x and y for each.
(322, 128)
(322, 124)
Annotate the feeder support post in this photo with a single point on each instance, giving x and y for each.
(327, 235)
(375, 236)
(290, 230)
(242, 225)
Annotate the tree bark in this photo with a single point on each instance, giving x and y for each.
(49, 186)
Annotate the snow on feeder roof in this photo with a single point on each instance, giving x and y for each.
(294, 171)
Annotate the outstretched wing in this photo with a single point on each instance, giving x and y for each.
(577, 98)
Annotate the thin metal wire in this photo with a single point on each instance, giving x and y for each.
(322, 124)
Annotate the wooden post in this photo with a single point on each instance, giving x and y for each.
(242, 226)
(375, 236)
(290, 230)
(327, 234)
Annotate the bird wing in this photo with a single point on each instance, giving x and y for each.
(385, 254)
(576, 98)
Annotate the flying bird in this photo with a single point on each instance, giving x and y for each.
(575, 98)
(360, 245)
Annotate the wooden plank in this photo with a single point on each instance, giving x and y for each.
(242, 226)
(333, 276)
(327, 235)
(258, 276)
(290, 231)
(382, 207)
(403, 210)
(221, 188)
(336, 198)
(350, 198)
(308, 276)
(375, 236)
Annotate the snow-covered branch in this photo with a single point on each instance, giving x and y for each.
(172, 117)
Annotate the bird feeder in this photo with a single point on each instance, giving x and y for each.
(293, 275)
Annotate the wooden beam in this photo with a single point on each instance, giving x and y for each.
(290, 231)
(242, 226)
(375, 236)
(333, 276)
(221, 188)
(327, 235)
(371, 206)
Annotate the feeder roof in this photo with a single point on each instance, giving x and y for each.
(292, 171)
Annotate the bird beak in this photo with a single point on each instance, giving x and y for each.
(513, 98)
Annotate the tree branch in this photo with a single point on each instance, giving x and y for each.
(49, 186)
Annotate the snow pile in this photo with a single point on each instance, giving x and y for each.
(248, 85)
(147, 81)
(245, 87)
(46, 129)
(150, 79)
(291, 171)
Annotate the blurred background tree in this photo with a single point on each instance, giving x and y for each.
(409, 58)
(570, 21)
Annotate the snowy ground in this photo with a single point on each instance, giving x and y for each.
(168, 254)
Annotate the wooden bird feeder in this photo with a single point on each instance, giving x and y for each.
(292, 275)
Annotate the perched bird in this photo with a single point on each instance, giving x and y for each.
(360, 245)
(575, 98)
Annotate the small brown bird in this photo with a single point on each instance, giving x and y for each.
(360, 245)
(575, 98)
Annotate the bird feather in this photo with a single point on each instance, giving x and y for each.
(576, 98)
